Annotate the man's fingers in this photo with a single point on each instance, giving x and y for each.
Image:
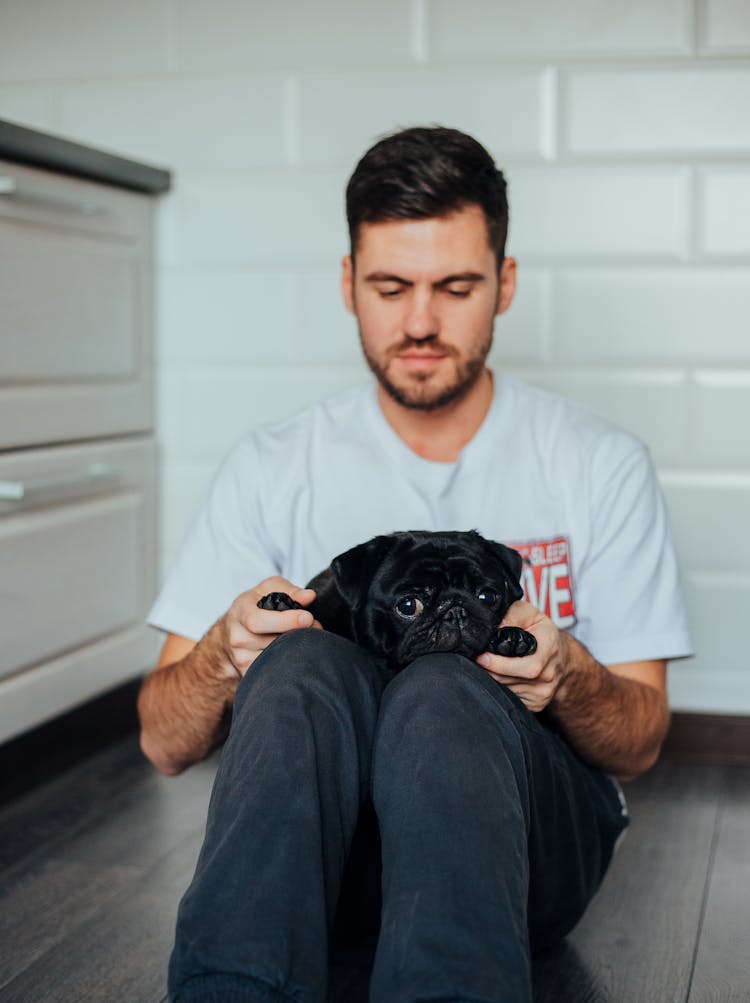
(509, 669)
(272, 622)
(303, 596)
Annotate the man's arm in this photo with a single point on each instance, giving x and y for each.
(615, 717)
(185, 703)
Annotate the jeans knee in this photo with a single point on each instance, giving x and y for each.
(310, 662)
(446, 675)
(443, 698)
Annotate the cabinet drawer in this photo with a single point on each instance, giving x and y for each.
(75, 283)
(76, 548)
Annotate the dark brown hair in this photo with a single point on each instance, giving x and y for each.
(424, 172)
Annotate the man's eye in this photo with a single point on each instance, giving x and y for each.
(458, 292)
(409, 606)
(488, 596)
(391, 293)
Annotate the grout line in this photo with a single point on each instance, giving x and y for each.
(706, 892)
(551, 107)
(291, 124)
(418, 32)
(171, 18)
(697, 28)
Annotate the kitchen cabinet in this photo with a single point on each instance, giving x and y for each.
(77, 448)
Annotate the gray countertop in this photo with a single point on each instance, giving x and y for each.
(22, 145)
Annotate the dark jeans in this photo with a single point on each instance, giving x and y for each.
(494, 836)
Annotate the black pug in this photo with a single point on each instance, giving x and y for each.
(413, 593)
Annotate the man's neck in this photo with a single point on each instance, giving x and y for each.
(440, 435)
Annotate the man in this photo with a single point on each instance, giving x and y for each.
(495, 822)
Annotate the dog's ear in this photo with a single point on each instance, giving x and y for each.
(353, 570)
(512, 564)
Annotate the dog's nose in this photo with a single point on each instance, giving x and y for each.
(456, 615)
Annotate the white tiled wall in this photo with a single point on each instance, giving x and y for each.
(625, 133)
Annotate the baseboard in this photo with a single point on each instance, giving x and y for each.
(716, 738)
(45, 752)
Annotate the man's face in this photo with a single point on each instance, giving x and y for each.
(425, 294)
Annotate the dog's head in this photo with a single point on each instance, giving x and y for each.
(413, 593)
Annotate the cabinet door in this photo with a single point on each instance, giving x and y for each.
(76, 572)
(75, 330)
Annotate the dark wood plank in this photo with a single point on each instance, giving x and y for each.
(722, 965)
(143, 823)
(121, 949)
(114, 808)
(637, 940)
(49, 901)
(56, 809)
(678, 780)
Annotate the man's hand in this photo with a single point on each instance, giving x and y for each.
(247, 630)
(534, 678)
(614, 717)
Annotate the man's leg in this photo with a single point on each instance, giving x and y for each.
(293, 775)
(481, 809)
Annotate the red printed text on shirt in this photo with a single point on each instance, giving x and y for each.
(547, 578)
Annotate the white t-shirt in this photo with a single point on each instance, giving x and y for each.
(576, 495)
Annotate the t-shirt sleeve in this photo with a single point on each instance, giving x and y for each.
(629, 587)
(225, 551)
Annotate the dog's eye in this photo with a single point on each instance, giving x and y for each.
(488, 596)
(409, 607)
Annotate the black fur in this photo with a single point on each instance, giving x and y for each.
(368, 593)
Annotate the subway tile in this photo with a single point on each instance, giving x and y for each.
(725, 224)
(489, 29)
(699, 686)
(30, 105)
(726, 26)
(522, 333)
(341, 115)
(709, 517)
(267, 219)
(720, 419)
(224, 123)
(183, 486)
(233, 33)
(213, 407)
(48, 40)
(630, 212)
(651, 405)
(717, 678)
(663, 110)
(226, 318)
(666, 316)
(327, 331)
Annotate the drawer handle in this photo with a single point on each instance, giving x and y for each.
(9, 189)
(78, 484)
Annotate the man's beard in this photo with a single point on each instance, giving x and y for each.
(418, 393)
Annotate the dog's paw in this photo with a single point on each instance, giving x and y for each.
(513, 642)
(278, 601)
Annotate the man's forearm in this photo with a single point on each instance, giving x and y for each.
(185, 707)
(612, 722)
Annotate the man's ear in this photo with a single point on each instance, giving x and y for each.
(507, 288)
(347, 282)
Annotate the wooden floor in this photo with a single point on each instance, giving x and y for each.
(93, 862)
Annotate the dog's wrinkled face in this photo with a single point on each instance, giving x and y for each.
(415, 593)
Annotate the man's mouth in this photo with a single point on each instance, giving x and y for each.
(420, 361)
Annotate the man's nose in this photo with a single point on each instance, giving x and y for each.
(421, 321)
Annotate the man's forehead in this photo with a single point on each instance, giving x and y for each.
(458, 241)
